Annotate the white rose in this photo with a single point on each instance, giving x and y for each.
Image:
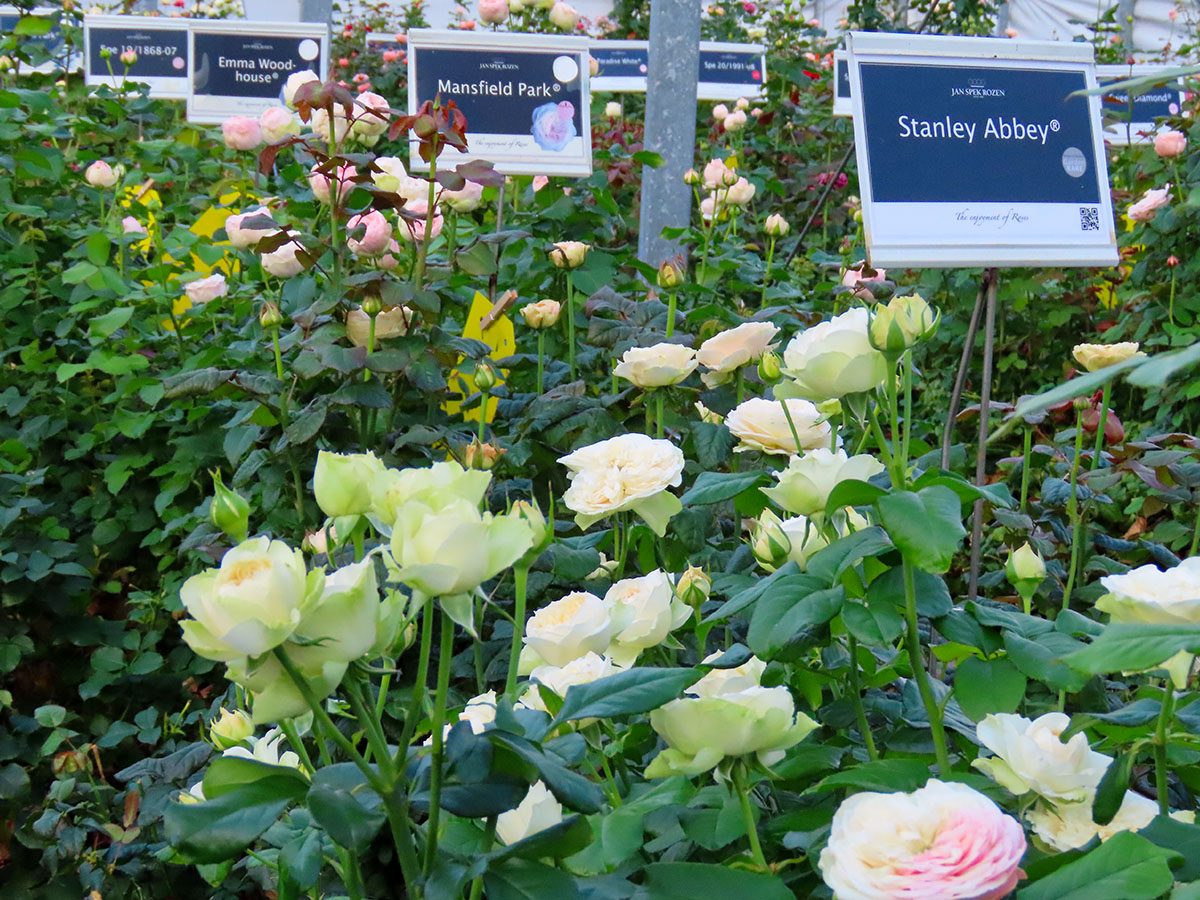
(569, 628)
(243, 238)
(435, 486)
(537, 812)
(584, 670)
(656, 366)
(761, 424)
(627, 472)
(805, 485)
(1100, 356)
(295, 80)
(371, 115)
(1151, 596)
(251, 604)
(834, 358)
(942, 841)
(645, 610)
(701, 731)
(1031, 756)
(1068, 826)
(741, 192)
(728, 351)
(265, 750)
(391, 173)
(729, 681)
(277, 123)
(342, 482)
(319, 123)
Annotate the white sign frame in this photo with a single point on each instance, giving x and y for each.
(899, 241)
(579, 166)
(216, 113)
(716, 90)
(1125, 134)
(842, 106)
(162, 87)
(72, 63)
(620, 84)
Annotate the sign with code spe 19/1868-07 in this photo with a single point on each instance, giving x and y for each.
(978, 152)
(240, 68)
(525, 98)
(160, 45)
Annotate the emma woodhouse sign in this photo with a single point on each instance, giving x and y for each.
(525, 98)
(978, 152)
(239, 68)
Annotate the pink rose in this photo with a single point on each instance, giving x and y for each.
(1170, 143)
(945, 840)
(244, 238)
(374, 239)
(282, 262)
(852, 277)
(277, 123)
(205, 290)
(130, 225)
(539, 182)
(100, 174)
(465, 198)
(414, 229)
(1153, 200)
(390, 56)
(371, 114)
(718, 175)
(493, 12)
(319, 182)
(241, 133)
(391, 259)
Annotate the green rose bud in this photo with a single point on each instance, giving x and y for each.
(229, 511)
(670, 275)
(485, 376)
(805, 485)
(529, 513)
(230, 729)
(269, 315)
(1025, 570)
(372, 305)
(769, 367)
(693, 587)
(886, 334)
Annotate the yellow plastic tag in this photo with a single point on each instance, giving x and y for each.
(501, 337)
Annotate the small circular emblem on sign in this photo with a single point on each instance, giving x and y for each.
(566, 68)
(309, 49)
(1074, 163)
(1054, 125)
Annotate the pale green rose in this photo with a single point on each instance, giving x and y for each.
(833, 359)
(435, 486)
(275, 694)
(805, 485)
(251, 604)
(454, 549)
(230, 728)
(702, 731)
(343, 482)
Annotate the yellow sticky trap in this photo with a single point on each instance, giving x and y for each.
(501, 337)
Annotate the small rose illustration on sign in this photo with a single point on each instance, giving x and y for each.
(554, 125)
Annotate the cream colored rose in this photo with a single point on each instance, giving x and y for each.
(578, 624)
(584, 670)
(1149, 595)
(656, 366)
(1100, 356)
(392, 321)
(1068, 826)
(435, 486)
(293, 84)
(543, 314)
(645, 610)
(537, 812)
(702, 731)
(1031, 756)
(761, 424)
(805, 485)
(834, 358)
(741, 192)
(729, 681)
(728, 351)
(627, 472)
(569, 254)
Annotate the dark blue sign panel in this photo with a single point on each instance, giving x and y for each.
(241, 70)
(524, 107)
(1136, 124)
(620, 62)
(842, 78)
(731, 67)
(726, 71)
(161, 53)
(962, 134)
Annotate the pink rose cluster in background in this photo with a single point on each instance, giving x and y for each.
(241, 133)
(493, 12)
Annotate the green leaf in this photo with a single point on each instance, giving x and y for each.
(478, 260)
(14, 782)
(1125, 867)
(887, 775)
(1156, 371)
(830, 562)
(520, 879)
(79, 273)
(707, 881)
(221, 829)
(1182, 837)
(33, 26)
(1126, 647)
(1082, 384)
(227, 773)
(713, 487)
(786, 610)
(852, 493)
(1110, 793)
(566, 838)
(926, 526)
(97, 246)
(876, 624)
(1042, 659)
(984, 686)
(351, 823)
(571, 789)
(302, 856)
(636, 690)
(103, 326)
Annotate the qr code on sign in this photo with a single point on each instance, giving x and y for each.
(1089, 218)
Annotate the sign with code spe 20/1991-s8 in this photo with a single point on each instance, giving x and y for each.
(159, 43)
(979, 152)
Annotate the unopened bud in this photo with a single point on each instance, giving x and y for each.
(485, 376)
(692, 177)
(105, 53)
(1025, 564)
(269, 315)
(693, 587)
(670, 275)
(531, 515)
(229, 511)
(776, 225)
(71, 762)
(372, 305)
(230, 728)
(482, 456)
(769, 367)
(770, 542)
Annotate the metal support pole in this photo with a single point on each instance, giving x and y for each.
(673, 71)
(985, 400)
(960, 378)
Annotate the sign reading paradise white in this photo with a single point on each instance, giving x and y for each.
(727, 71)
(239, 68)
(53, 40)
(161, 45)
(973, 152)
(842, 104)
(1156, 103)
(525, 97)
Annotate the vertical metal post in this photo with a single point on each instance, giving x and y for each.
(985, 400)
(316, 10)
(673, 72)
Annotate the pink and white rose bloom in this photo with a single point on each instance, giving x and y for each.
(243, 238)
(278, 123)
(130, 225)
(372, 113)
(321, 186)
(563, 16)
(241, 133)
(493, 12)
(375, 238)
(725, 353)
(1170, 143)
(282, 262)
(945, 841)
(414, 229)
(539, 182)
(465, 199)
(295, 80)
(100, 174)
(205, 290)
(1152, 201)
(718, 175)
